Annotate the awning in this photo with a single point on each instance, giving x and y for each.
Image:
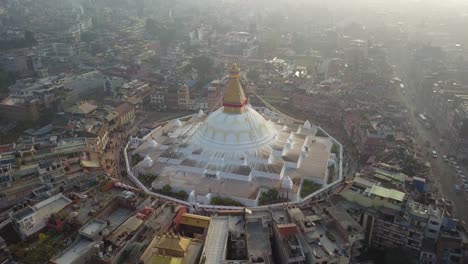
(90, 164)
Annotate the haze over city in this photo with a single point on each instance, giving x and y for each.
(223, 131)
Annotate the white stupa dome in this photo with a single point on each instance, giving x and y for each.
(200, 113)
(152, 143)
(307, 125)
(287, 183)
(234, 132)
(147, 162)
(236, 126)
(177, 123)
(192, 197)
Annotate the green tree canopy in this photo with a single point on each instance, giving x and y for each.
(88, 37)
(6, 80)
(203, 65)
(253, 75)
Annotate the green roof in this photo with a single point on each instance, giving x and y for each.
(387, 193)
(389, 176)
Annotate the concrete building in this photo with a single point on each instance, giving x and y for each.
(158, 100)
(239, 44)
(85, 245)
(370, 195)
(29, 96)
(126, 113)
(214, 95)
(183, 98)
(32, 219)
(452, 246)
(286, 238)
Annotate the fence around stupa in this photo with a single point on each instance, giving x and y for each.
(315, 196)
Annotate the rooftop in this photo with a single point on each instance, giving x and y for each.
(162, 248)
(75, 251)
(387, 193)
(216, 238)
(41, 212)
(258, 241)
(92, 227)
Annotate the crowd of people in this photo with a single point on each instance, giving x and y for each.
(113, 158)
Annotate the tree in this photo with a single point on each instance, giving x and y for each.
(225, 201)
(150, 26)
(253, 75)
(166, 36)
(166, 189)
(27, 41)
(29, 37)
(335, 150)
(193, 49)
(269, 197)
(203, 65)
(88, 37)
(6, 80)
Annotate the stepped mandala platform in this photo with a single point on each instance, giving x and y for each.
(237, 152)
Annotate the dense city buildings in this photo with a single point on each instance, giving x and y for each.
(207, 132)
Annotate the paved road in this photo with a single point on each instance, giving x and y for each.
(443, 173)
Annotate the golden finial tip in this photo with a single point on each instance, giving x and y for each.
(234, 97)
(234, 68)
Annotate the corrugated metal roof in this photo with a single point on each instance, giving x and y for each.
(398, 176)
(387, 193)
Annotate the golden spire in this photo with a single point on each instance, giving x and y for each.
(234, 96)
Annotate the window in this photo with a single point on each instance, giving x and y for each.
(434, 223)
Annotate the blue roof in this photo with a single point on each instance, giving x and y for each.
(191, 83)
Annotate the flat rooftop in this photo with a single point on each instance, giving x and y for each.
(118, 216)
(258, 240)
(326, 246)
(41, 212)
(92, 227)
(75, 251)
(216, 240)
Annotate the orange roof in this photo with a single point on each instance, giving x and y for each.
(124, 108)
(195, 220)
(287, 229)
